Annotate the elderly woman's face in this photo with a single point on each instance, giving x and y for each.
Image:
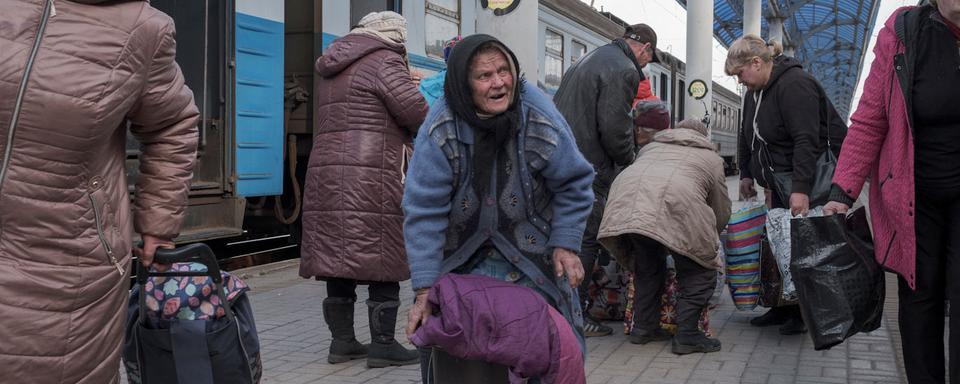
(491, 82)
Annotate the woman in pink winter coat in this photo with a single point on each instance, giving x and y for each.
(905, 137)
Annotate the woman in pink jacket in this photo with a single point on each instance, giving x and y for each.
(905, 137)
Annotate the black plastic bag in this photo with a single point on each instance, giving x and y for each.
(840, 284)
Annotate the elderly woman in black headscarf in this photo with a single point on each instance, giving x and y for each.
(496, 185)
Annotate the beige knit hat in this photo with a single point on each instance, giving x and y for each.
(694, 124)
(387, 25)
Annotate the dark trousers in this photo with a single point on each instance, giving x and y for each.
(380, 291)
(937, 279)
(696, 285)
(590, 248)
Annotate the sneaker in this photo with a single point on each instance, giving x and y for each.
(642, 337)
(775, 316)
(793, 326)
(700, 343)
(593, 328)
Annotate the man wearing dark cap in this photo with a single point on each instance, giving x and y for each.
(595, 97)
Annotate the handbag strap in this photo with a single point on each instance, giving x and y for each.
(758, 98)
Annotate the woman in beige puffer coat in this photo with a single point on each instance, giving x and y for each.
(72, 75)
(673, 198)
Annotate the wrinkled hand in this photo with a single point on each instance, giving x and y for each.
(835, 207)
(416, 76)
(799, 204)
(747, 189)
(418, 312)
(565, 261)
(150, 245)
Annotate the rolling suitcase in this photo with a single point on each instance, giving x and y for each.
(209, 338)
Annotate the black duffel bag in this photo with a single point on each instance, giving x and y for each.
(224, 350)
(840, 284)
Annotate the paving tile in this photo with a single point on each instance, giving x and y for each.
(294, 341)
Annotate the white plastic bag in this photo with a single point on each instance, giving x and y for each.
(778, 235)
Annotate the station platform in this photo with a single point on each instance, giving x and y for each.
(295, 339)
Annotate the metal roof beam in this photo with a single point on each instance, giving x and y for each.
(795, 6)
(774, 9)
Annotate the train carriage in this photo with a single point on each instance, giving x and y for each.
(250, 66)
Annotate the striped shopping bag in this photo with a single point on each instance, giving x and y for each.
(742, 247)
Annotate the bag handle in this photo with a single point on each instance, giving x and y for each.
(193, 253)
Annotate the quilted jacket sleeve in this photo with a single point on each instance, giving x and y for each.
(400, 95)
(869, 123)
(164, 120)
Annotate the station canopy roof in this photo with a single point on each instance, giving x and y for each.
(828, 36)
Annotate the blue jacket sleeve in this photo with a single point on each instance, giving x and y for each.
(570, 177)
(427, 198)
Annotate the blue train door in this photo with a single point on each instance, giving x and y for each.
(258, 103)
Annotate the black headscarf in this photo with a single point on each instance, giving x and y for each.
(490, 134)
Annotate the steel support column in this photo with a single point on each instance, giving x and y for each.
(700, 57)
(751, 16)
(775, 25)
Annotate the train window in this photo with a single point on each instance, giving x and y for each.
(553, 60)
(360, 8)
(681, 100)
(653, 86)
(442, 23)
(579, 49)
(663, 87)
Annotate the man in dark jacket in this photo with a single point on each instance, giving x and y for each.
(595, 97)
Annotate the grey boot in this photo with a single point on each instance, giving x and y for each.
(385, 350)
(338, 313)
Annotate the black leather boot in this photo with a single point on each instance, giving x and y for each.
(694, 343)
(794, 325)
(639, 336)
(338, 313)
(385, 351)
(775, 316)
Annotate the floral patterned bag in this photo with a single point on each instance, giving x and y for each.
(668, 306)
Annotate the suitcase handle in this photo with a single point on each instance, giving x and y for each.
(193, 253)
